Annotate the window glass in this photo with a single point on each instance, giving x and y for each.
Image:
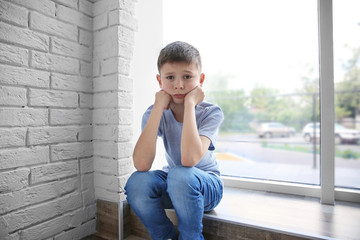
(347, 92)
(261, 64)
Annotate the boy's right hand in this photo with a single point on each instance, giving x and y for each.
(162, 99)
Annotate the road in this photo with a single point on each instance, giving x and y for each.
(259, 159)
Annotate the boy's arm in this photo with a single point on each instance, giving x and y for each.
(193, 146)
(145, 148)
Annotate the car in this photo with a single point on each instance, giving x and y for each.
(342, 134)
(274, 129)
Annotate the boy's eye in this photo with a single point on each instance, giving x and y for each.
(187, 77)
(170, 77)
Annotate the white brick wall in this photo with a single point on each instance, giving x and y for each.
(114, 27)
(65, 113)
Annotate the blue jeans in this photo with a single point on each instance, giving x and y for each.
(189, 190)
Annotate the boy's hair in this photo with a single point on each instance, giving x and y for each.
(179, 52)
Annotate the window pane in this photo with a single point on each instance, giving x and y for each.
(260, 59)
(347, 92)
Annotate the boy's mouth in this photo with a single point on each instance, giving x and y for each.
(179, 95)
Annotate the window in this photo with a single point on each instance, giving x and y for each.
(347, 93)
(261, 60)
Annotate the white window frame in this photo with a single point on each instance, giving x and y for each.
(326, 191)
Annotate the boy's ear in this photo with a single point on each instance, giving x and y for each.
(202, 79)
(158, 78)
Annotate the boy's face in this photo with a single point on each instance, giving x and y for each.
(179, 78)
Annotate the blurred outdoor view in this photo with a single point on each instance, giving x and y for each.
(260, 59)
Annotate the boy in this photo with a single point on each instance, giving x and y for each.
(190, 183)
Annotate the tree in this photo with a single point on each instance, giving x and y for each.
(232, 102)
(348, 90)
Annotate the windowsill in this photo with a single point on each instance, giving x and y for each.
(288, 214)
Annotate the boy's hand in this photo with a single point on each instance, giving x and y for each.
(162, 99)
(195, 96)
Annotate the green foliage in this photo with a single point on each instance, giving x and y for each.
(348, 90)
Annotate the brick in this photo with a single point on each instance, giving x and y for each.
(113, 150)
(12, 137)
(88, 196)
(86, 69)
(21, 157)
(79, 232)
(112, 183)
(112, 196)
(47, 135)
(74, 17)
(123, 18)
(71, 150)
(84, 133)
(12, 117)
(96, 68)
(100, 22)
(36, 194)
(44, 6)
(86, 100)
(115, 133)
(69, 3)
(87, 181)
(14, 55)
(50, 62)
(71, 49)
(112, 47)
(60, 224)
(23, 76)
(85, 38)
(86, 165)
(30, 216)
(52, 98)
(113, 34)
(53, 226)
(71, 82)
(24, 37)
(116, 65)
(103, 6)
(54, 171)
(113, 166)
(128, 6)
(12, 96)
(112, 116)
(86, 7)
(14, 14)
(113, 82)
(14, 180)
(113, 100)
(70, 116)
(53, 26)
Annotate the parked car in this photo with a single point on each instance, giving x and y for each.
(342, 134)
(274, 129)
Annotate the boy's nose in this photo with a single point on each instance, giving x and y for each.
(179, 84)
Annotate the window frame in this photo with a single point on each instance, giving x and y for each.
(326, 191)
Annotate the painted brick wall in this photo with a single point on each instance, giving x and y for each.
(65, 113)
(114, 33)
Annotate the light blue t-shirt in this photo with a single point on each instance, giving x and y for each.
(208, 120)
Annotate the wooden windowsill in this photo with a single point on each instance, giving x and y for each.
(288, 214)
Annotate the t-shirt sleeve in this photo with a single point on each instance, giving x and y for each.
(145, 119)
(209, 124)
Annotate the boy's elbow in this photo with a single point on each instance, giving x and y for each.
(188, 162)
(142, 167)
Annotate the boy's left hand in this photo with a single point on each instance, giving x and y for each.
(195, 96)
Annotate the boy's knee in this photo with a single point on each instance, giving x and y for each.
(182, 177)
(138, 180)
